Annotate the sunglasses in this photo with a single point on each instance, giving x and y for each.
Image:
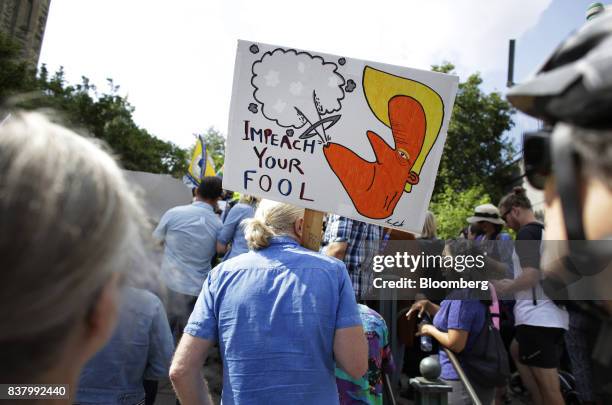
(536, 157)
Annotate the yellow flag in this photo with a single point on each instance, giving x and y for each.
(201, 163)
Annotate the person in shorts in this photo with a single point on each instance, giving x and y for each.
(540, 323)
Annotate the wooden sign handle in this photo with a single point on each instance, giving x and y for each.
(312, 229)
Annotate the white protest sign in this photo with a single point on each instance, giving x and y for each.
(335, 134)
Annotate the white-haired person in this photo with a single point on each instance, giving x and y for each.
(283, 317)
(69, 227)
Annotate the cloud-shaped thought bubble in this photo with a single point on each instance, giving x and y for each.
(296, 88)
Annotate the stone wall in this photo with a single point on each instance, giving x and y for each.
(24, 21)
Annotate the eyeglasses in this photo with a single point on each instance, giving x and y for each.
(536, 157)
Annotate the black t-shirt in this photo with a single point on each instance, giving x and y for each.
(528, 241)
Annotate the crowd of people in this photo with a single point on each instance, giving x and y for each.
(85, 302)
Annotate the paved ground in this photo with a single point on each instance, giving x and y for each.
(165, 395)
(213, 374)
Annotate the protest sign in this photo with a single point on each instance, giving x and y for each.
(335, 134)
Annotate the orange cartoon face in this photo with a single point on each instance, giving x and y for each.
(414, 113)
(376, 187)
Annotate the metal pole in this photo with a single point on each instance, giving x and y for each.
(510, 81)
(204, 157)
(5, 119)
(390, 389)
(463, 377)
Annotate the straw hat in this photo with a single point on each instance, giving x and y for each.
(488, 213)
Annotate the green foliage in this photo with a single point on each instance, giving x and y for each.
(215, 145)
(452, 208)
(106, 116)
(477, 152)
(15, 75)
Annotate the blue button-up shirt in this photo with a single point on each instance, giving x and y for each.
(274, 313)
(233, 229)
(141, 348)
(190, 236)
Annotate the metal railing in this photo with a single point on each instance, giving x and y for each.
(466, 382)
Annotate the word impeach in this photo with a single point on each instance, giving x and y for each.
(268, 137)
(255, 181)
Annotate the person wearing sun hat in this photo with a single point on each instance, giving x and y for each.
(498, 245)
(489, 225)
(486, 213)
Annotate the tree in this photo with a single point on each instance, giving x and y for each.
(106, 116)
(451, 209)
(477, 150)
(15, 75)
(215, 145)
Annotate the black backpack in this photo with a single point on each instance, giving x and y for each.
(486, 362)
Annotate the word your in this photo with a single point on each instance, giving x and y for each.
(270, 162)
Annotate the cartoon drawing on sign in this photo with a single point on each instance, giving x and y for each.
(300, 91)
(296, 89)
(414, 113)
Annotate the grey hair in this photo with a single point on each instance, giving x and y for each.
(595, 149)
(248, 199)
(271, 219)
(68, 221)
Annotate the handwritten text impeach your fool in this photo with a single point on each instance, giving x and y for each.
(267, 161)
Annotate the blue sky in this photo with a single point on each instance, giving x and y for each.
(557, 22)
(560, 19)
(174, 61)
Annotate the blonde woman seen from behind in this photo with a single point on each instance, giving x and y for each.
(283, 316)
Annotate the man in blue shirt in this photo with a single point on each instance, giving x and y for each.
(281, 315)
(189, 234)
(140, 350)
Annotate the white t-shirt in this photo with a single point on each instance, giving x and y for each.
(544, 313)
